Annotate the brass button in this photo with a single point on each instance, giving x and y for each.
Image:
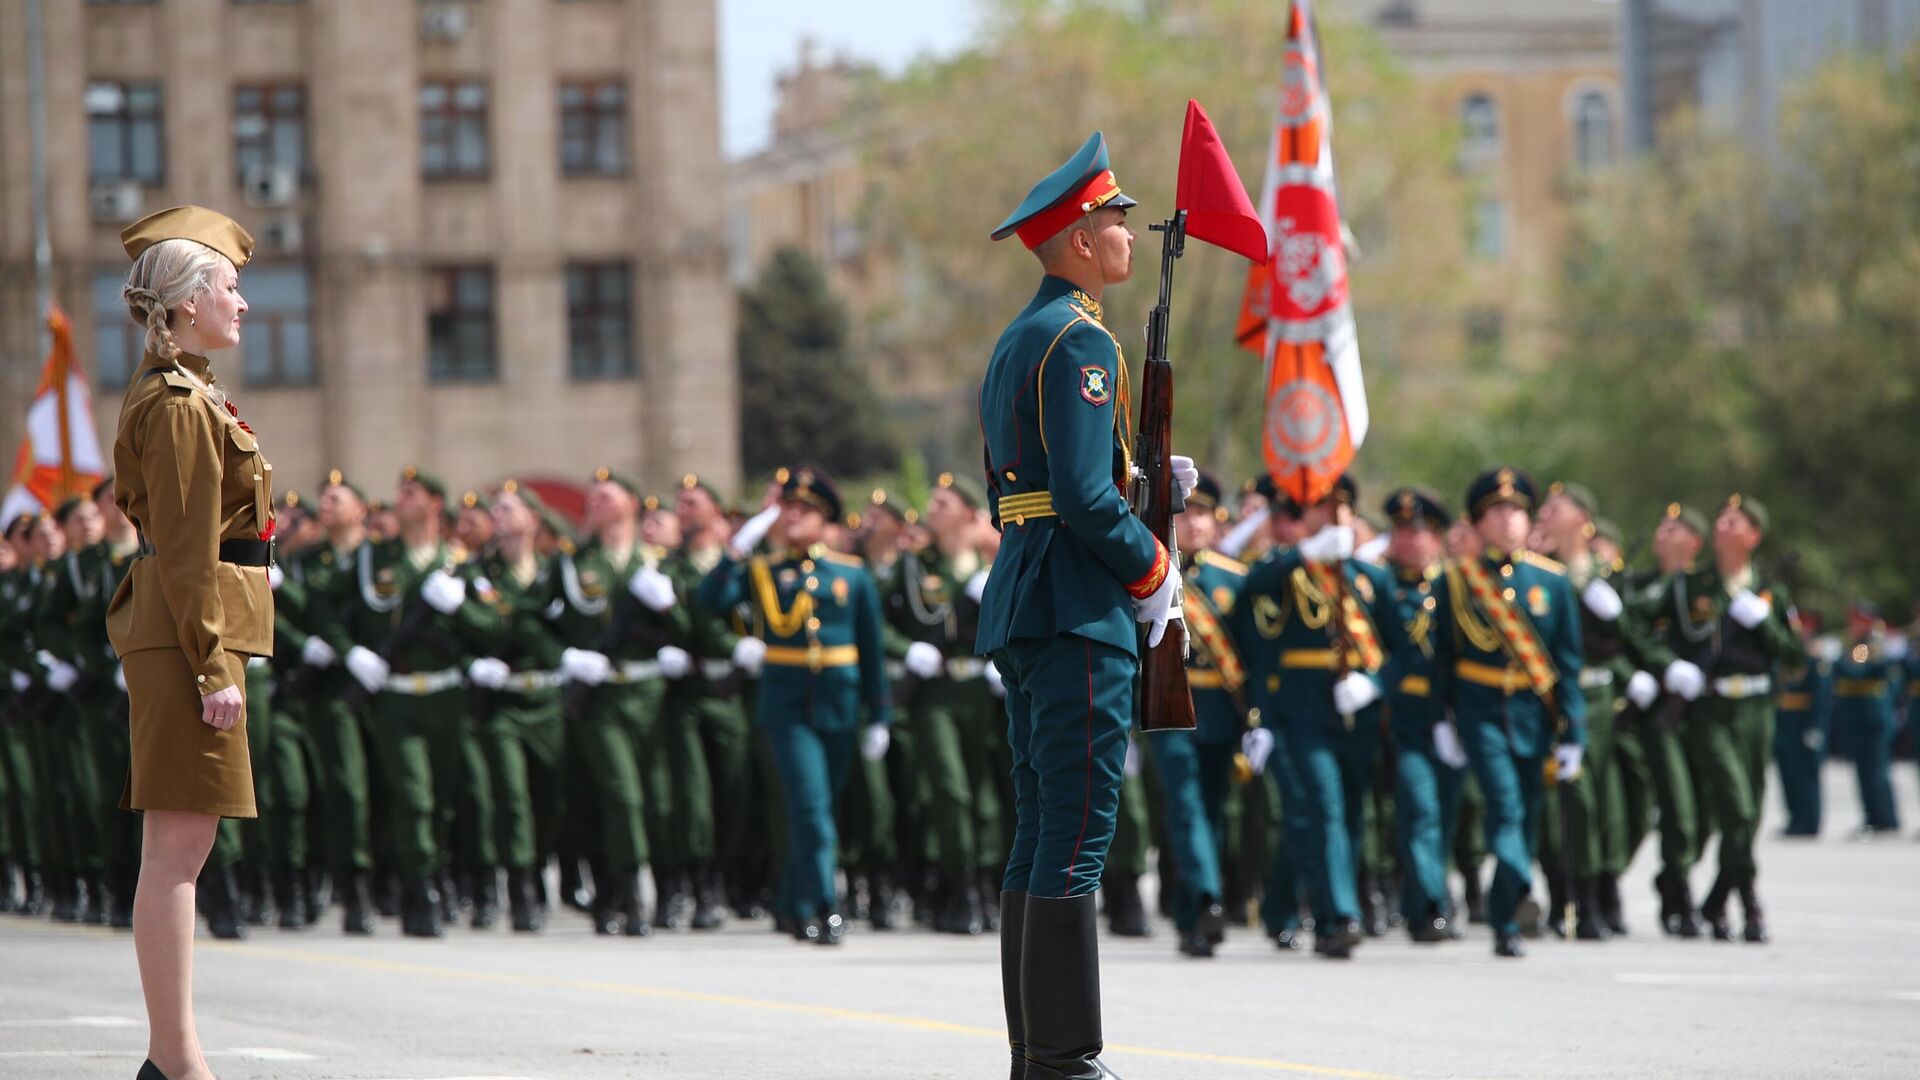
(813, 623)
(200, 678)
(1508, 593)
(1010, 476)
(1506, 571)
(813, 583)
(1020, 519)
(807, 566)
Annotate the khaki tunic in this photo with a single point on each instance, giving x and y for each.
(189, 476)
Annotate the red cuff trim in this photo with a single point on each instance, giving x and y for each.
(1155, 577)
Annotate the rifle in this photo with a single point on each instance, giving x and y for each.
(1166, 701)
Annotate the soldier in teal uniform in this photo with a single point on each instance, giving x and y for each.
(822, 667)
(1075, 571)
(1429, 760)
(1866, 694)
(1196, 768)
(1507, 659)
(1729, 629)
(1334, 627)
(1801, 719)
(427, 615)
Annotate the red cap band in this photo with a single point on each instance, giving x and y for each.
(1047, 224)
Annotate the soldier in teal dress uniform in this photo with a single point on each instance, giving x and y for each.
(1866, 694)
(1801, 719)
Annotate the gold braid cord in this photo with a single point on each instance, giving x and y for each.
(1516, 635)
(1357, 629)
(784, 624)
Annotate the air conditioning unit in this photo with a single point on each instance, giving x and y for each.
(285, 234)
(270, 185)
(115, 202)
(443, 22)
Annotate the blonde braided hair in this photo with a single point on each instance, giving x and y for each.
(165, 276)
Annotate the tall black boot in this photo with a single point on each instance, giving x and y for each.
(1556, 901)
(256, 896)
(1714, 910)
(1756, 929)
(486, 898)
(421, 909)
(1588, 924)
(1474, 896)
(709, 900)
(1611, 911)
(357, 903)
(636, 908)
(219, 892)
(1013, 928)
(34, 899)
(881, 911)
(667, 897)
(1060, 989)
(522, 903)
(290, 896)
(1126, 915)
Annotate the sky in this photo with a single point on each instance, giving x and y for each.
(760, 38)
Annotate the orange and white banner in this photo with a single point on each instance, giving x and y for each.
(1297, 313)
(60, 455)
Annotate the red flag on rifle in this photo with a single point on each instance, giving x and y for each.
(1209, 190)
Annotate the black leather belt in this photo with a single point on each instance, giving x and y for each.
(238, 552)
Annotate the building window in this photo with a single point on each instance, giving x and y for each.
(1479, 132)
(600, 320)
(269, 128)
(453, 129)
(1486, 334)
(593, 128)
(1487, 228)
(126, 138)
(278, 346)
(1593, 131)
(118, 341)
(460, 324)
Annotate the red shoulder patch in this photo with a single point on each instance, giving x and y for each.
(1095, 384)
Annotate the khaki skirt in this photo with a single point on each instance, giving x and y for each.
(178, 762)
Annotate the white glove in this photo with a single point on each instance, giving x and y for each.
(873, 745)
(21, 684)
(1131, 766)
(1686, 679)
(1602, 600)
(275, 576)
(1257, 744)
(652, 588)
(1185, 474)
(489, 673)
(367, 668)
(748, 654)
(1331, 544)
(923, 660)
(1829, 649)
(675, 662)
(1353, 693)
(1895, 647)
(977, 585)
(996, 685)
(120, 677)
(1447, 746)
(1160, 608)
(755, 529)
(1642, 689)
(586, 666)
(317, 653)
(444, 591)
(1375, 550)
(1566, 759)
(1749, 610)
(1236, 540)
(60, 675)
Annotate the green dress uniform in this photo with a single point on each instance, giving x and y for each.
(1801, 719)
(1507, 661)
(1727, 730)
(616, 729)
(1322, 620)
(824, 669)
(26, 823)
(1866, 695)
(416, 719)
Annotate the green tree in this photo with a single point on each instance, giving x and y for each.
(802, 399)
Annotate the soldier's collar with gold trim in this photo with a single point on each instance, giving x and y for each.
(1085, 302)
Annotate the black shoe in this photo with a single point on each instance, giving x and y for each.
(1195, 943)
(1509, 946)
(290, 896)
(881, 902)
(486, 900)
(1611, 911)
(523, 903)
(709, 909)
(150, 1071)
(1713, 911)
(669, 900)
(1475, 898)
(1060, 989)
(1589, 924)
(9, 895)
(833, 929)
(1213, 920)
(1527, 914)
(1288, 941)
(357, 904)
(219, 894)
(1557, 902)
(422, 910)
(1126, 915)
(1755, 932)
(1373, 907)
(1013, 926)
(1429, 931)
(1335, 946)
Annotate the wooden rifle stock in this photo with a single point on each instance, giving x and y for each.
(1166, 701)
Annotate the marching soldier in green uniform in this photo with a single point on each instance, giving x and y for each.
(516, 700)
(427, 615)
(26, 822)
(1075, 571)
(42, 768)
(1429, 760)
(1866, 694)
(286, 829)
(1568, 522)
(69, 637)
(1658, 727)
(709, 742)
(882, 533)
(1334, 626)
(620, 611)
(1729, 628)
(1507, 660)
(1801, 720)
(932, 605)
(822, 665)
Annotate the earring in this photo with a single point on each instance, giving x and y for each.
(191, 321)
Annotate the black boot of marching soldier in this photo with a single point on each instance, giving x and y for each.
(1060, 989)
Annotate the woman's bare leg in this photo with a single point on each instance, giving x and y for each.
(173, 849)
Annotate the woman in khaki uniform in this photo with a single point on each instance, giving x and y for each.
(195, 605)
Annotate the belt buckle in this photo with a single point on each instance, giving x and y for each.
(418, 683)
(816, 657)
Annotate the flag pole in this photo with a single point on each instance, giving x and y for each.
(37, 123)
